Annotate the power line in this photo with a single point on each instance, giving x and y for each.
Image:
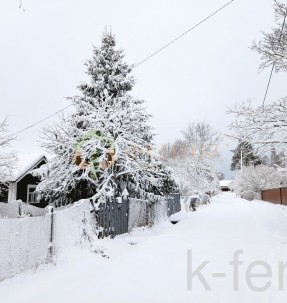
(183, 34)
(273, 65)
(141, 62)
(32, 125)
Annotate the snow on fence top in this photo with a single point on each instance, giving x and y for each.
(18, 209)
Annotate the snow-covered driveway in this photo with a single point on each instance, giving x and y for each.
(151, 265)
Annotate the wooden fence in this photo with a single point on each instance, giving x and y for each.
(275, 195)
(173, 204)
(113, 216)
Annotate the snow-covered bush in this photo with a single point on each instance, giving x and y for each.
(195, 177)
(194, 159)
(252, 180)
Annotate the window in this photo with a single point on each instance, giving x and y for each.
(31, 195)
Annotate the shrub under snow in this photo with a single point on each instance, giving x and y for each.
(252, 180)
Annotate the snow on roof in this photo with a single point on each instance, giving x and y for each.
(225, 183)
(26, 168)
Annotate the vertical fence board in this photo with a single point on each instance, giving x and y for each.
(284, 196)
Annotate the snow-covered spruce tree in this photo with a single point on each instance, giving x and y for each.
(105, 146)
(249, 156)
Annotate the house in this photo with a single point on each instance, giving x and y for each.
(23, 185)
(225, 185)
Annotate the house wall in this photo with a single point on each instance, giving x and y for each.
(12, 191)
(22, 188)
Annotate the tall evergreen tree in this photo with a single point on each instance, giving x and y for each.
(248, 156)
(105, 146)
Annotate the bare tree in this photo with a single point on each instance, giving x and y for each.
(202, 141)
(273, 46)
(7, 159)
(265, 126)
(194, 159)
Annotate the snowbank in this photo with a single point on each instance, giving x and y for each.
(150, 264)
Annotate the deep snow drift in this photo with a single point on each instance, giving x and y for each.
(150, 265)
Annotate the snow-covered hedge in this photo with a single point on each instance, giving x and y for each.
(252, 180)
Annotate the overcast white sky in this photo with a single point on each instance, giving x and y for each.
(42, 50)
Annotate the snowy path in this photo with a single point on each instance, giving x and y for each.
(151, 265)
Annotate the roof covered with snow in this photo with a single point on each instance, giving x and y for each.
(24, 169)
(225, 183)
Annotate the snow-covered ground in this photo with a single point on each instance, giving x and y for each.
(150, 265)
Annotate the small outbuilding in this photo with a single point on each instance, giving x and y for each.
(225, 185)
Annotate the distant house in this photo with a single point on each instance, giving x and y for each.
(23, 185)
(225, 185)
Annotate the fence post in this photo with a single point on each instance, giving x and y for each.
(51, 211)
(20, 210)
(281, 201)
